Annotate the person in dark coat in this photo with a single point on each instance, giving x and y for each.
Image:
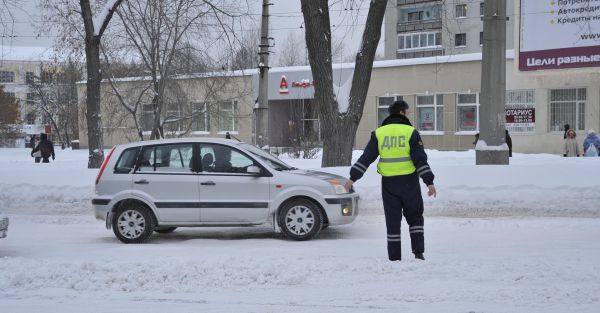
(402, 160)
(509, 143)
(567, 127)
(46, 147)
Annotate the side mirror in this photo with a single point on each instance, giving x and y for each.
(253, 170)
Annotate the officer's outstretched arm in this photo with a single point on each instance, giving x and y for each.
(369, 156)
(419, 158)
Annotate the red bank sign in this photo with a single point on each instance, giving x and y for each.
(559, 34)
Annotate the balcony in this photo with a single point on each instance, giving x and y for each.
(404, 2)
(421, 25)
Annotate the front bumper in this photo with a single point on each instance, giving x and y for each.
(3, 226)
(101, 207)
(342, 209)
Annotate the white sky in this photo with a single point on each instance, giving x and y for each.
(286, 18)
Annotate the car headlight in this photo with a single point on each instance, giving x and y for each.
(337, 186)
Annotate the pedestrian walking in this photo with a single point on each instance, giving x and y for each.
(37, 155)
(402, 159)
(591, 144)
(571, 145)
(46, 149)
(508, 143)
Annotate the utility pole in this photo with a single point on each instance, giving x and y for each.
(491, 147)
(261, 111)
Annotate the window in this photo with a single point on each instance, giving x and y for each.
(126, 161)
(415, 16)
(29, 77)
(147, 117)
(383, 103)
(419, 40)
(481, 10)
(200, 113)
(47, 77)
(7, 77)
(167, 158)
(174, 121)
(430, 113)
(467, 106)
(520, 110)
(419, 14)
(228, 116)
(460, 40)
(30, 118)
(461, 10)
(223, 159)
(30, 99)
(567, 106)
(481, 38)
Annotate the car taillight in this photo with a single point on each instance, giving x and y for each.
(104, 165)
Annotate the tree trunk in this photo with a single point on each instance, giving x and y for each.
(93, 116)
(94, 78)
(339, 128)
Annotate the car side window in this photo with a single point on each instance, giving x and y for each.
(223, 159)
(126, 161)
(175, 158)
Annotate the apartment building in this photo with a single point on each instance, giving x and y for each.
(427, 28)
(18, 68)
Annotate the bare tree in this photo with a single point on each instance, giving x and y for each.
(246, 53)
(55, 97)
(87, 23)
(9, 118)
(340, 116)
(94, 29)
(7, 18)
(293, 51)
(159, 32)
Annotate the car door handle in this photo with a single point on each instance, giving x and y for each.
(141, 182)
(208, 183)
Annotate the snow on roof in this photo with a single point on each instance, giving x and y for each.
(455, 58)
(25, 54)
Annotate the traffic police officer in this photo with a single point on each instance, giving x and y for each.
(402, 159)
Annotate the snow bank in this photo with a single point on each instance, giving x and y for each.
(532, 185)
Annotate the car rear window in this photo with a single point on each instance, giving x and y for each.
(126, 161)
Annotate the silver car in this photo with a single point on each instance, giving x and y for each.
(157, 186)
(3, 225)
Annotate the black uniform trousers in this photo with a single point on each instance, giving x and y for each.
(402, 195)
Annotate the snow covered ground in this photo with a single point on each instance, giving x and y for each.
(518, 238)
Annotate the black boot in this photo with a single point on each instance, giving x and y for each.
(419, 256)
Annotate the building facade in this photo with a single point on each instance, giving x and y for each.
(19, 67)
(426, 28)
(199, 106)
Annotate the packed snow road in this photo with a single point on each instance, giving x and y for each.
(525, 240)
(473, 265)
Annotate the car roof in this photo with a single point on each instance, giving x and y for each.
(180, 140)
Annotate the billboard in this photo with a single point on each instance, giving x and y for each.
(558, 34)
(520, 117)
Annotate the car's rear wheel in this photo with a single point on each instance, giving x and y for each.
(165, 230)
(300, 219)
(133, 223)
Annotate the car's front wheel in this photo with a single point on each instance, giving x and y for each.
(300, 219)
(133, 223)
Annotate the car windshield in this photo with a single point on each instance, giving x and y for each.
(270, 159)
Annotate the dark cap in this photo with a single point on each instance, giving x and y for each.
(397, 107)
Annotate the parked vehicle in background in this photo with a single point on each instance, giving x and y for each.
(3, 225)
(157, 186)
